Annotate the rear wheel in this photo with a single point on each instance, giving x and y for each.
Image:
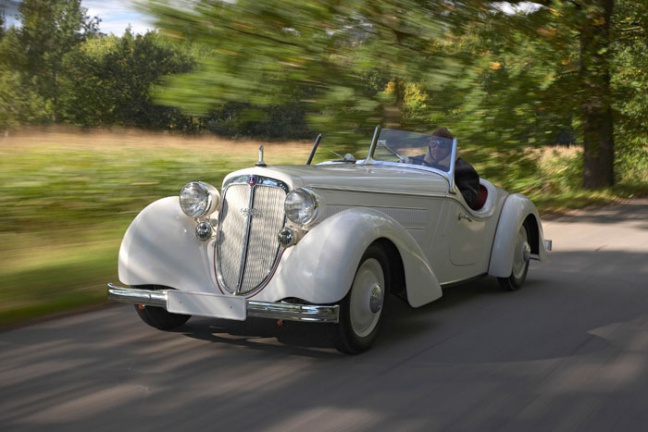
(362, 309)
(160, 318)
(521, 258)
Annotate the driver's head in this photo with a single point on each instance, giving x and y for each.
(440, 145)
(443, 133)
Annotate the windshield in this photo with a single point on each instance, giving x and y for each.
(390, 147)
(414, 148)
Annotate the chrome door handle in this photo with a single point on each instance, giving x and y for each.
(464, 217)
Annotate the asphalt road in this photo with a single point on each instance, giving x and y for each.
(568, 352)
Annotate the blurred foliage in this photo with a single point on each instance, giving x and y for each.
(334, 59)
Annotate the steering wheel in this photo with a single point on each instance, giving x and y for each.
(420, 160)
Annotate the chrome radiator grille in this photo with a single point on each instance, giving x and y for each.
(247, 247)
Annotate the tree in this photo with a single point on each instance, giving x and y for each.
(577, 39)
(595, 75)
(629, 81)
(539, 68)
(49, 30)
(18, 104)
(109, 81)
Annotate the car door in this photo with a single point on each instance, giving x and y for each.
(467, 233)
(459, 248)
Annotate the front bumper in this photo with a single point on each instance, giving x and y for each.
(221, 306)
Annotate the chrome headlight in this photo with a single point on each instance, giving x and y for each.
(301, 206)
(199, 199)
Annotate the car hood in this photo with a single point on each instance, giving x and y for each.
(368, 178)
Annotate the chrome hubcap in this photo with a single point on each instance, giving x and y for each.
(522, 253)
(367, 297)
(526, 252)
(376, 298)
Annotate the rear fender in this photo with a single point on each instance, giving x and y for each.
(321, 267)
(516, 210)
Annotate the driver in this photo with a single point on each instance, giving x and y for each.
(439, 150)
(438, 156)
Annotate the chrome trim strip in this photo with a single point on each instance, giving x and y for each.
(373, 145)
(367, 191)
(259, 180)
(246, 241)
(294, 312)
(256, 309)
(451, 169)
(137, 296)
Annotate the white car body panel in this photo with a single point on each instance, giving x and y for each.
(321, 267)
(161, 248)
(517, 209)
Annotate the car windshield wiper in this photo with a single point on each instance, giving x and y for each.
(403, 159)
(346, 158)
(314, 149)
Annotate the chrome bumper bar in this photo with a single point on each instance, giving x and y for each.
(256, 309)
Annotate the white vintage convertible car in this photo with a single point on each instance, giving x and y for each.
(324, 242)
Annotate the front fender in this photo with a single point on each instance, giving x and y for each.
(160, 248)
(321, 267)
(516, 210)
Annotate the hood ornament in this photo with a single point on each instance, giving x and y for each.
(260, 162)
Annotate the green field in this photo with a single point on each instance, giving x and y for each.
(68, 197)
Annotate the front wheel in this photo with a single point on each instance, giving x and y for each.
(521, 258)
(160, 318)
(362, 308)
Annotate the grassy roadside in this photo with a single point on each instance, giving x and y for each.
(67, 198)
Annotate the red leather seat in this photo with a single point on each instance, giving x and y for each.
(482, 194)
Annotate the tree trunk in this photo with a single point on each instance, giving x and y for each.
(598, 125)
(393, 113)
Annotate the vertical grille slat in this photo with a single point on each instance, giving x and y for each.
(248, 247)
(263, 245)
